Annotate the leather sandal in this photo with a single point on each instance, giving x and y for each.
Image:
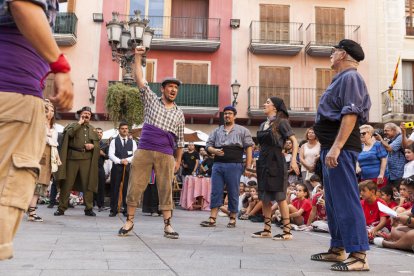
(170, 235)
(232, 222)
(123, 232)
(32, 216)
(287, 235)
(266, 233)
(211, 222)
(346, 265)
(334, 254)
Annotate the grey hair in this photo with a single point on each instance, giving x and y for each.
(393, 126)
(367, 127)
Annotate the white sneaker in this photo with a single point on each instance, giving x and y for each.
(222, 214)
(378, 241)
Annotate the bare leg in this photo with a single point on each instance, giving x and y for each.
(257, 207)
(32, 210)
(406, 242)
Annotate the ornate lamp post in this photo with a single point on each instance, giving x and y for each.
(92, 85)
(235, 87)
(124, 37)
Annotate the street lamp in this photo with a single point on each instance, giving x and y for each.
(92, 85)
(235, 87)
(124, 37)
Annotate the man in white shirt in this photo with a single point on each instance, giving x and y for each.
(121, 151)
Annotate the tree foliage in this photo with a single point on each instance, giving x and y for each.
(123, 103)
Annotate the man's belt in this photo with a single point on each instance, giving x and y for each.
(78, 149)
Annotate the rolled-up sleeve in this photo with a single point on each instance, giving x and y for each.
(211, 139)
(247, 139)
(354, 96)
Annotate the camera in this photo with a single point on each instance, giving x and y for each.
(379, 131)
(409, 125)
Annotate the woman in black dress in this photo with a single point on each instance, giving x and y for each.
(271, 167)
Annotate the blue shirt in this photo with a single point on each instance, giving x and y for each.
(370, 161)
(5, 17)
(347, 94)
(396, 159)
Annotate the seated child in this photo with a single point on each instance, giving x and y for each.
(375, 220)
(402, 236)
(387, 194)
(254, 206)
(318, 212)
(405, 202)
(315, 181)
(301, 206)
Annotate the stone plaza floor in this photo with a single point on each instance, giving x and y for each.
(78, 245)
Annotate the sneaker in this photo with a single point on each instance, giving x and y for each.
(58, 213)
(51, 205)
(378, 241)
(222, 214)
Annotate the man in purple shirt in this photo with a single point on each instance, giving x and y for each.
(343, 107)
(163, 130)
(27, 52)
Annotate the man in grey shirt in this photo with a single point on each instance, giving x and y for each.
(228, 143)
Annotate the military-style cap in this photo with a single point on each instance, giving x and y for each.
(171, 80)
(351, 48)
(85, 108)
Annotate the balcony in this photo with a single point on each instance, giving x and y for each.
(194, 98)
(301, 102)
(401, 108)
(274, 38)
(64, 30)
(185, 33)
(321, 37)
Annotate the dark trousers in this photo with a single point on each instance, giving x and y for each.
(116, 179)
(53, 192)
(346, 218)
(99, 197)
(150, 200)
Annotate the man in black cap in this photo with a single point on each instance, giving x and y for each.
(342, 109)
(79, 155)
(228, 143)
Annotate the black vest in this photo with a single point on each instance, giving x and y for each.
(122, 151)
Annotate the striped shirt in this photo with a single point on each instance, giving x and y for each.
(155, 113)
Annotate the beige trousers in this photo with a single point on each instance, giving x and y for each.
(23, 134)
(141, 167)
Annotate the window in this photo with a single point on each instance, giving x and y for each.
(409, 13)
(323, 80)
(274, 26)
(147, 7)
(274, 81)
(408, 86)
(150, 71)
(194, 73)
(329, 25)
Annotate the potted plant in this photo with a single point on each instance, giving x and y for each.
(123, 103)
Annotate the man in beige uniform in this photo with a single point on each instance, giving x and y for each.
(79, 155)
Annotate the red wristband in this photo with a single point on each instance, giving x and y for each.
(61, 65)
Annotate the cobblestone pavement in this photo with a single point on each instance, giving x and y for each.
(78, 245)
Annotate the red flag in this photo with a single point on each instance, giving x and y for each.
(394, 80)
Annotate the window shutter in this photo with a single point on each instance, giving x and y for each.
(274, 81)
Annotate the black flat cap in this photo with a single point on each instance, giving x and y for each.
(85, 108)
(171, 80)
(351, 48)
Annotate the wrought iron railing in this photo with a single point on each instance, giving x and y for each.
(330, 34)
(401, 101)
(276, 32)
(167, 27)
(66, 23)
(296, 99)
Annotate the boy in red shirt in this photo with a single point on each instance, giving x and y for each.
(375, 219)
